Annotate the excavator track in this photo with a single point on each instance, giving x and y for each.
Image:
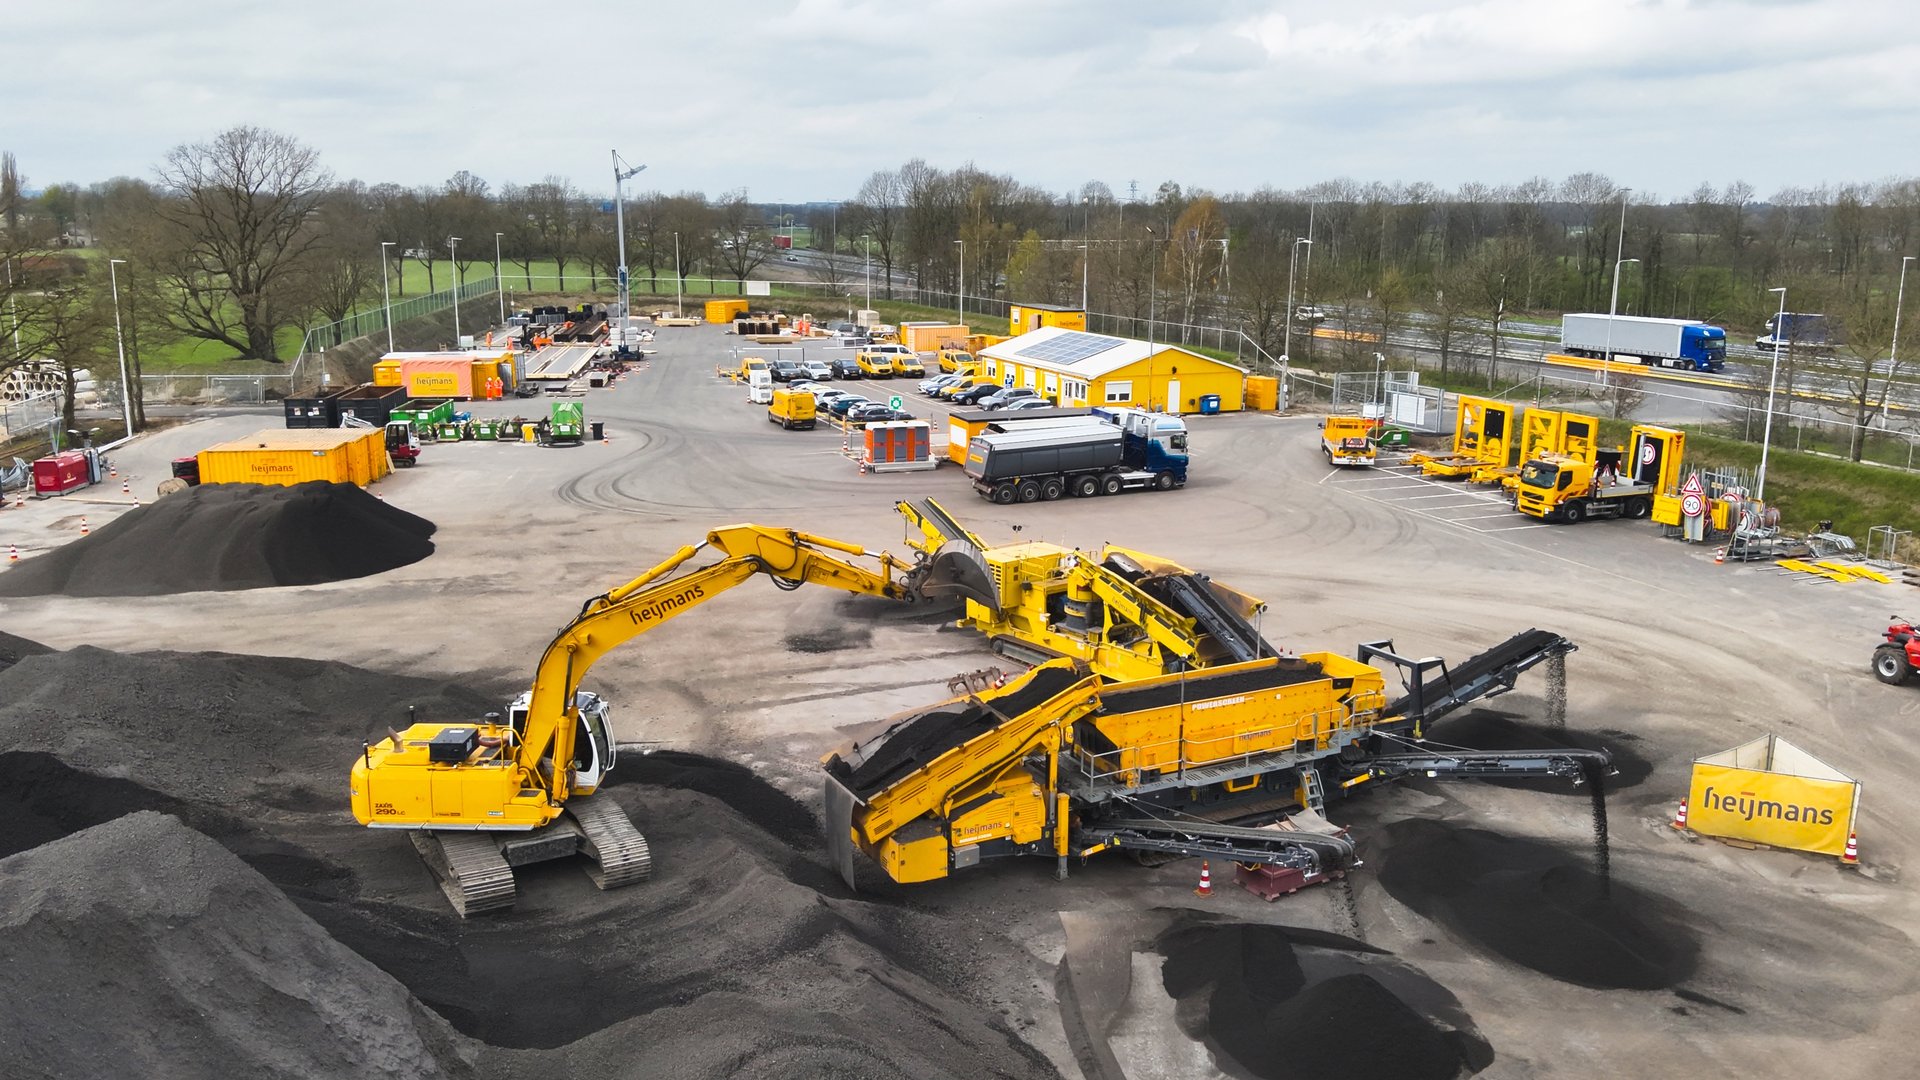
(470, 868)
(618, 852)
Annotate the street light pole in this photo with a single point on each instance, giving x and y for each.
(1293, 258)
(120, 343)
(1893, 357)
(1153, 293)
(497, 289)
(386, 298)
(1766, 437)
(960, 293)
(453, 252)
(1086, 249)
(1613, 306)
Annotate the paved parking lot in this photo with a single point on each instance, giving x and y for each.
(1477, 507)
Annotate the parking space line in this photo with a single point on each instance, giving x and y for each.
(1474, 495)
(1536, 525)
(1484, 517)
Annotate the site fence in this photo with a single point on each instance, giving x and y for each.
(32, 418)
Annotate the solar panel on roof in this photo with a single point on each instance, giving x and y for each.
(1069, 348)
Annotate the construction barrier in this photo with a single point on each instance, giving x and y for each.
(1771, 792)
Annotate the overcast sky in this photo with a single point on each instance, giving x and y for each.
(800, 101)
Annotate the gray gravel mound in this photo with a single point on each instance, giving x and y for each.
(220, 537)
(14, 649)
(142, 948)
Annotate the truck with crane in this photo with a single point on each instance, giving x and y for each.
(1687, 344)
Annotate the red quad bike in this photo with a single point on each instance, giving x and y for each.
(1895, 659)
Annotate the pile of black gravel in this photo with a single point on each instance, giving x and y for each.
(14, 649)
(786, 818)
(1482, 729)
(1536, 905)
(222, 537)
(1281, 1003)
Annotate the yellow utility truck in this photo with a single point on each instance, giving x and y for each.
(1620, 482)
(792, 409)
(875, 365)
(1348, 440)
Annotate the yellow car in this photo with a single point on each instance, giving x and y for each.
(875, 365)
(955, 361)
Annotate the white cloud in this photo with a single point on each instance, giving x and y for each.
(800, 100)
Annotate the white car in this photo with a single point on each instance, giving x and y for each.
(889, 349)
(817, 370)
(928, 386)
(1026, 403)
(1311, 313)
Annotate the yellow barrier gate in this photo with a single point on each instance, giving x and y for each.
(1771, 792)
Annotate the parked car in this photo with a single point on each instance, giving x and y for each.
(891, 349)
(818, 369)
(1007, 397)
(786, 370)
(823, 397)
(1311, 313)
(928, 386)
(1024, 404)
(955, 359)
(876, 413)
(976, 394)
(845, 367)
(953, 391)
(909, 364)
(841, 405)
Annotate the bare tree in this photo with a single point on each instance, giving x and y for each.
(239, 208)
(346, 264)
(556, 221)
(879, 211)
(744, 243)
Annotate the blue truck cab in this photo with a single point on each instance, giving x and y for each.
(1704, 347)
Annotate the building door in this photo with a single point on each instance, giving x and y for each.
(1173, 396)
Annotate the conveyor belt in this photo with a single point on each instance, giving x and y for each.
(1193, 597)
(1306, 851)
(1491, 672)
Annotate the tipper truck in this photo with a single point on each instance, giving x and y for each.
(1113, 450)
(1668, 343)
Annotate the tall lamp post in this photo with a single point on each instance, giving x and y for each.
(1293, 259)
(120, 343)
(620, 228)
(453, 252)
(1766, 437)
(1086, 249)
(960, 293)
(1613, 306)
(1153, 293)
(1893, 356)
(497, 289)
(386, 298)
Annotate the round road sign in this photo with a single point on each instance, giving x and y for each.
(1646, 453)
(1691, 505)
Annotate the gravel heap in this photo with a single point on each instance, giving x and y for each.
(14, 649)
(221, 537)
(1535, 905)
(742, 955)
(1281, 1003)
(142, 948)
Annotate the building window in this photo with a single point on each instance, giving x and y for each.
(1118, 392)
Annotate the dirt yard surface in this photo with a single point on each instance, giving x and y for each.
(1484, 933)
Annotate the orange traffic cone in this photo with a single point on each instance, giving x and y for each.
(126, 488)
(13, 553)
(1852, 856)
(20, 499)
(1680, 815)
(1206, 880)
(83, 526)
(863, 466)
(112, 470)
(1719, 555)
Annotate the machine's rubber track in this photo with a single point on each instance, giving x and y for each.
(470, 869)
(618, 853)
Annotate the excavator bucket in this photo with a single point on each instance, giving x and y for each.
(959, 569)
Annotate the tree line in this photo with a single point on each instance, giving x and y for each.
(233, 239)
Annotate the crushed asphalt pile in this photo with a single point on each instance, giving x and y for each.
(14, 649)
(222, 537)
(1537, 906)
(742, 955)
(1281, 1003)
(142, 948)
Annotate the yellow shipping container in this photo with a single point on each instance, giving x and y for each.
(386, 373)
(275, 456)
(725, 311)
(926, 337)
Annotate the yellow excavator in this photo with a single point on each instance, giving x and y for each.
(479, 799)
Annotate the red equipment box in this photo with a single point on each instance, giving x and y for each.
(57, 474)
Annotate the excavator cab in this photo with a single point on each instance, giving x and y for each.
(593, 745)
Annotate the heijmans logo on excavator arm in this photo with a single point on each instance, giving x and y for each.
(666, 605)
